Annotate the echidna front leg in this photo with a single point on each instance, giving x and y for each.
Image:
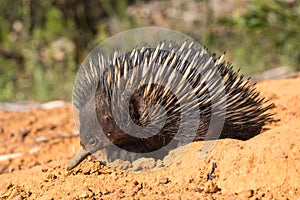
(78, 158)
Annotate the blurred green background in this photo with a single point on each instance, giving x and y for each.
(42, 43)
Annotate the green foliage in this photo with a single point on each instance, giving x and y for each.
(44, 42)
(268, 35)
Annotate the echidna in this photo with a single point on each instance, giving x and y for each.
(140, 100)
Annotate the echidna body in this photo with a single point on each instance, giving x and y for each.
(163, 89)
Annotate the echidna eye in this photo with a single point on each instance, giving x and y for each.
(92, 141)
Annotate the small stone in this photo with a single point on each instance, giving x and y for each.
(159, 164)
(44, 170)
(18, 197)
(41, 139)
(246, 194)
(135, 182)
(84, 195)
(120, 164)
(86, 171)
(51, 176)
(164, 180)
(23, 132)
(143, 164)
(210, 187)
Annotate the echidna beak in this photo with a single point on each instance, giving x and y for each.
(78, 158)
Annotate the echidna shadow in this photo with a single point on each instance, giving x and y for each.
(107, 116)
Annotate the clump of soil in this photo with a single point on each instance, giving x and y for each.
(36, 145)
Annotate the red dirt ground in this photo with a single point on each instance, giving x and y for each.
(264, 167)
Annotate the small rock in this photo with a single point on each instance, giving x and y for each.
(86, 171)
(84, 195)
(44, 170)
(143, 164)
(51, 176)
(18, 197)
(135, 182)
(246, 194)
(164, 180)
(211, 187)
(120, 164)
(23, 132)
(42, 139)
(178, 163)
(159, 164)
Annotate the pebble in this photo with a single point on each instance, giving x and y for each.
(42, 139)
(164, 180)
(143, 164)
(246, 194)
(210, 187)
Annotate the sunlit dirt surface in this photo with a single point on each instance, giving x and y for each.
(41, 142)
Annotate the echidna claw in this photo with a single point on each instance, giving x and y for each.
(210, 175)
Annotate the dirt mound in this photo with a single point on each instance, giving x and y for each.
(36, 145)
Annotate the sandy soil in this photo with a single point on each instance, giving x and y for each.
(43, 141)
